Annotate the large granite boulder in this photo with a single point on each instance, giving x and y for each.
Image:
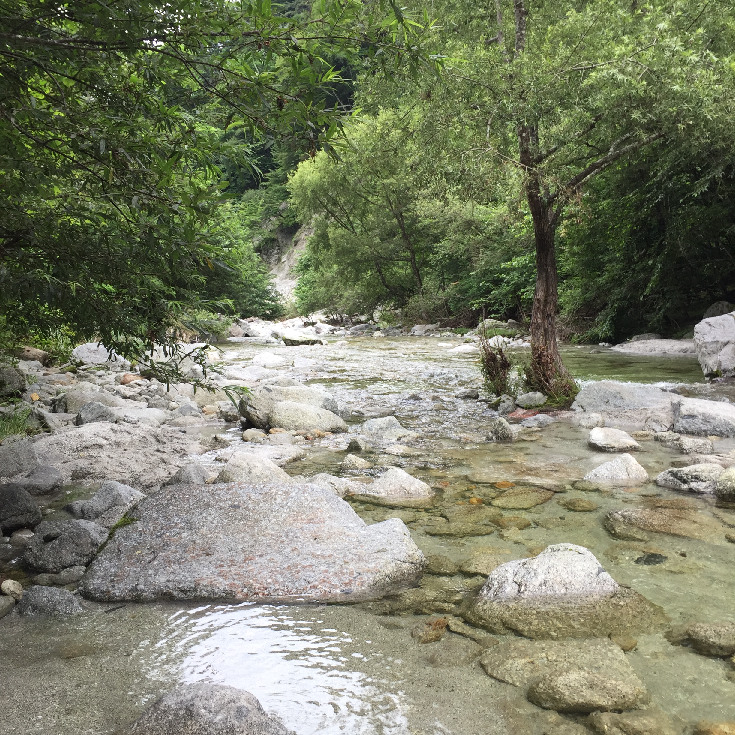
(252, 468)
(57, 545)
(207, 709)
(92, 353)
(239, 541)
(714, 338)
(704, 418)
(562, 592)
(78, 396)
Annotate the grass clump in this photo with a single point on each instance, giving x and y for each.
(15, 422)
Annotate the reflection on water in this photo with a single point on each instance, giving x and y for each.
(296, 668)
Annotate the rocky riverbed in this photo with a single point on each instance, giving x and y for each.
(559, 572)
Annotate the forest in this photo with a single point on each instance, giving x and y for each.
(449, 161)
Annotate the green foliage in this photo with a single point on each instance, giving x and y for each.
(14, 422)
(113, 121)
(495, 368)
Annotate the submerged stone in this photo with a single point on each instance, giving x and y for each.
(252, 542)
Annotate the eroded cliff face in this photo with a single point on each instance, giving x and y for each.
(282, 259)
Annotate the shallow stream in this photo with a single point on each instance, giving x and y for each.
(356, 669)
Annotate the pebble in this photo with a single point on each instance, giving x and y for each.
(578, 505)
(12, 588)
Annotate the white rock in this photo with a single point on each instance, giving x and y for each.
(623, 470)
(561, 570)
(353, 462)
(612, 440)
(715, 343)
(591, 420)
(396, 483)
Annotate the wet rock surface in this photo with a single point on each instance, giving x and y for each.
(207, 709)
(243, 542)
(612, 440)
(57, 545)
(621, 471)
(48, 601)
(17, 509)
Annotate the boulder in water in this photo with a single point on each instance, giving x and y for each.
(246, 542)
(621, 471)
(696, 478)
(704, 418)
(612, 440)
(207, 709)
(714, 338)
(562, 592)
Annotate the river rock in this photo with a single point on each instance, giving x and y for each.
(725, 488)
(108, 505)
(609, 395)
(714, 338)
(70, 575)
(340, 486)
(39, 600)
(583, 691)
(353, 462)
(17, 455)
(708, 727)
(283, 542)
(294, 416)
(704, 418)
(713, 639)
(207, 709)
(523, 663)
(662, 516)
(257, 406)
(12, 381)
(94, 411)
(61, 544)
(531, 400)
(522, 498)
(43, 480)
(248, 467)
(386, 430)
(621, 471)
(499, 430)
(144, 455)
(612, 440)
(696, 478)
(294, 338)
(17, 509)
(80, 395)
(562, 592)
(13, 588)
(695, 445)
(590, 420)
(397, 487)
(189, 474)
(651, 721)
(6, 605)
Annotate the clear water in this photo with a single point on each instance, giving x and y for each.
(356, 669)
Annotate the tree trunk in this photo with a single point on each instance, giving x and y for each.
(548, 373)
